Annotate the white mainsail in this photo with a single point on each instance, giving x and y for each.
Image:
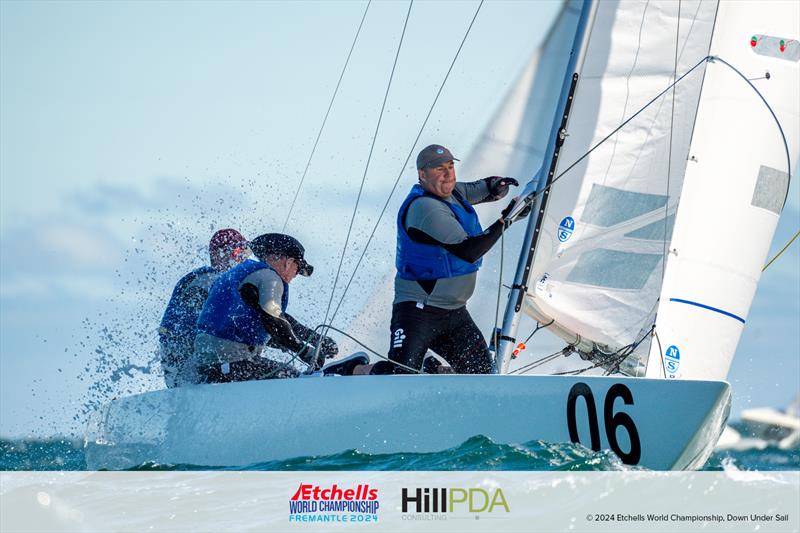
(599, 271)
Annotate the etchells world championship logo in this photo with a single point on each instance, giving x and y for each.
(315, 503)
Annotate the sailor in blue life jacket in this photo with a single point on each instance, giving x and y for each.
(246, 311)
(440, 245)
(176, 333)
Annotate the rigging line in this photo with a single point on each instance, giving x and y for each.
(777, 122)
(385, 358)
(625, 123)
(608, 358)
(709, 59)
(671, 131)
(366, 168)
(408, 157)
(499, 291)
(538, 362)
(661, 352)
(325, 120)
(781, 252)
(581, 370)
(538, 327)
(628, 351)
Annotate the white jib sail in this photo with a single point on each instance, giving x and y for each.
(735, 186)
(599, 261)
(706, 160)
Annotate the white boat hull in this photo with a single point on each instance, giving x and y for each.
(671, 425)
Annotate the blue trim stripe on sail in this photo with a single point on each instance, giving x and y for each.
(720, 311)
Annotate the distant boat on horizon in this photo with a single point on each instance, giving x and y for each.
(760, 427)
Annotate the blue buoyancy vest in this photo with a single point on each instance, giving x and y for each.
(227, 316)
(418, 262)
(180, 318)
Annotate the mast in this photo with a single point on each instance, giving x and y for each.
(558, 133)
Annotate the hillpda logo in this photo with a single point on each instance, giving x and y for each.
(436, 503)
(315, 503)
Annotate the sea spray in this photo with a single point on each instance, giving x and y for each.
(164, 231)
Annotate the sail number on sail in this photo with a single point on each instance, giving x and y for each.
(611, 420)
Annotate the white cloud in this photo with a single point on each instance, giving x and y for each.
(79, 246)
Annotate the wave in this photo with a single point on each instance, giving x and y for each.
(476, 453)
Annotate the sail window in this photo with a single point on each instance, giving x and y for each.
(613, 269)
(608, 206)
(770, 190)
(654, 231)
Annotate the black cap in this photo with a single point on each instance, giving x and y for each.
(280, 244)
(433, 156)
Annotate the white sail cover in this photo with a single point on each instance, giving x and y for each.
(599, 260)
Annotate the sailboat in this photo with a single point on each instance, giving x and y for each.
(760, 427)
(664, 173)
(773, 425)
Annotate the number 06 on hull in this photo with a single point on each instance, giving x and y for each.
(653, 423)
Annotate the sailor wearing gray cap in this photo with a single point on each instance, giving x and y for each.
(440, 245)
(246, 311)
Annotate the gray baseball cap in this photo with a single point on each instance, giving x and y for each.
(433, 156)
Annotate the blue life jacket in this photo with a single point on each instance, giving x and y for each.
(419, 262)
(227, 316)
(180, 317)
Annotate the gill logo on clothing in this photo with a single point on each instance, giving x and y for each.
(672, 361)
(566, 228)
(439, 151)
(397, 338)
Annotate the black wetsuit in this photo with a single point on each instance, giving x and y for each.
(446, 327)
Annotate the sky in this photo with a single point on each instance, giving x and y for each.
(131, 131)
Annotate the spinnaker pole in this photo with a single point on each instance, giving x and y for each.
(558, 134)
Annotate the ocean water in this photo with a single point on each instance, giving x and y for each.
(476, 453)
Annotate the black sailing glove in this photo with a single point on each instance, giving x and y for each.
(498, 186)
(510, 207)
(306, 354)
(328, 347)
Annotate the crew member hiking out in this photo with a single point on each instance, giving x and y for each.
(176, 333)
(246, 311)
(440, 246)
